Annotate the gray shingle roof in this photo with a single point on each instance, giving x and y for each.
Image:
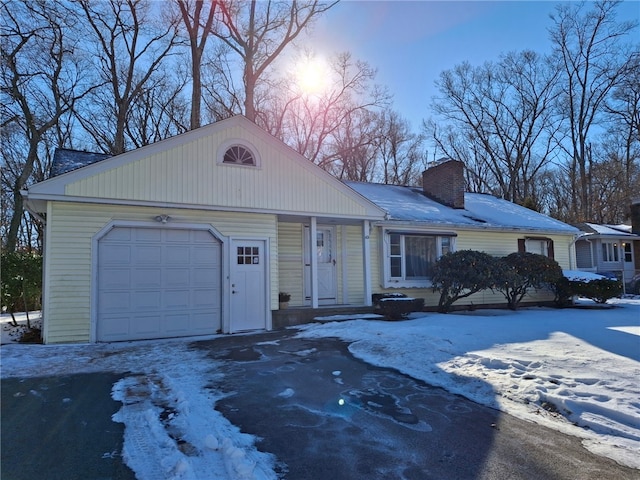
(66, 160)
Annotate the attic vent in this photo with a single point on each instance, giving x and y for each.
(239, 155)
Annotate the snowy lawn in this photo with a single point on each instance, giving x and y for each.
(574, 370)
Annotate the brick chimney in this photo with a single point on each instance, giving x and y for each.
(635, 215)
(445, 183)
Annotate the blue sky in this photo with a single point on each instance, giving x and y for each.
(411, 42)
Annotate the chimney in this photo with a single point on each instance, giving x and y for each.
(445, 183)
(635, 215)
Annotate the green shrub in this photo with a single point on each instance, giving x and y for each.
(21, 282)
(460, 274)
(520, 272)
(599, 290)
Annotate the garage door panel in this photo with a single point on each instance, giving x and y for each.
(145, 300)
(116, 277)
(145, 235)
(177, 255)
(157, 282)
(206, 276)
(176, 277)
(181, 236)
(115, 301)
(206, 256)
(145, 326)
(114, 254)
(147, 255)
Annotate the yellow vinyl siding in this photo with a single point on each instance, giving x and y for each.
(355, 266)
(70, 230)
(494, 243)
(291, 262)
(189, 173)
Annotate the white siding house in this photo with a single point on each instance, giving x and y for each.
(197, 234)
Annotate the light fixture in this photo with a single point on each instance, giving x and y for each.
(162, 218)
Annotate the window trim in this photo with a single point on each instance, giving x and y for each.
(399, 282)
(612, 249)
(238, 142)
(522, 245)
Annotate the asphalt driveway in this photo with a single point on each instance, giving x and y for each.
(321, 412)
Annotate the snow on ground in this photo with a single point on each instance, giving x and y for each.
(574, 370)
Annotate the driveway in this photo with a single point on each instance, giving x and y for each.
(325, 414)
(319, 411)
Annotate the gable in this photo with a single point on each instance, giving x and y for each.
(188, 170)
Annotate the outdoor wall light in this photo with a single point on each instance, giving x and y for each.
(162, 218)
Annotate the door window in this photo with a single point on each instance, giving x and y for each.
(248, 255)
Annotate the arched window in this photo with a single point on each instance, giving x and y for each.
(239, 155)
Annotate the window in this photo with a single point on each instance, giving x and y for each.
(537, 245)
(239, 155)
(628, 256)
(248, 255)
(610, 252)
(409, 257)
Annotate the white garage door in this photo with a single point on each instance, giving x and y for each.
(157, 283)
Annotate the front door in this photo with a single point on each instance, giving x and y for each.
(248, 285)
(324, 249)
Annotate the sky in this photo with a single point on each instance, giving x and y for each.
(583, 362)
(411, 42)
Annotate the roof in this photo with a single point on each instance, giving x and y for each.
(617, 231)
(481, 211)
(65, 160)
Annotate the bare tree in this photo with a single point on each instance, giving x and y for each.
(197, 17)
(501, 113)
(42, 80)
(130, 49)
(258, 32)
(588, 47)
(400, 151)
(314, 125)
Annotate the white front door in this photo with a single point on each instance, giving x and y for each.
(248, 285)
(324, 249)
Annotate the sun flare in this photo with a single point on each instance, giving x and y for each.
(312, 76)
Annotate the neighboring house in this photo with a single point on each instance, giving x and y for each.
(608, 249)
(198, 233)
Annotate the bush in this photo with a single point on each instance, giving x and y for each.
(461, 274)
(21, 282)
(520, 272)
(599, 290)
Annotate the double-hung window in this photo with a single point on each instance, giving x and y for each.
(610, 252)
(409, 257)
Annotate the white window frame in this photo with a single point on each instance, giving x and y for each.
(538, 246)
(237, 142)
(611, 251)
(445, 242)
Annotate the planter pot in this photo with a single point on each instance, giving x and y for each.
(283, 305)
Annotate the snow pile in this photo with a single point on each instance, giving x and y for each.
(172, 430)
(580, 276)
(575, 371)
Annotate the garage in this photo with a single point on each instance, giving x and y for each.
(158, 283)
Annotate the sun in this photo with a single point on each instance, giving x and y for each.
(312, 76)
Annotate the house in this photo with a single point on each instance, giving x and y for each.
(610, 249)
(423, 223)
(198, 233)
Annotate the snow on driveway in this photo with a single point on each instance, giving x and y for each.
(574, 370)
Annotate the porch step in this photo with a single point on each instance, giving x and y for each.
(300, 315)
